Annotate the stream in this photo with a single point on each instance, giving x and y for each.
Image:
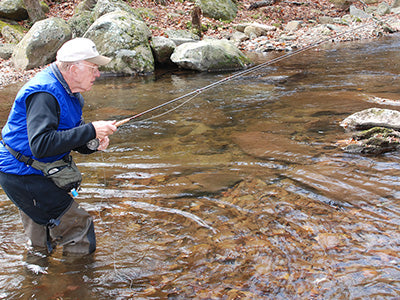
(240, 193)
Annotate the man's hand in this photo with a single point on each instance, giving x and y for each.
(104, 144)
(104, 128)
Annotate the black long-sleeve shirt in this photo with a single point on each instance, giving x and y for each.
(42, 116)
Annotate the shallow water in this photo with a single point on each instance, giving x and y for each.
(239, 193)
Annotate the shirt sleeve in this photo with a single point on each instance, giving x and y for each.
(42, 117)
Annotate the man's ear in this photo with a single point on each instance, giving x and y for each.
(74, 69)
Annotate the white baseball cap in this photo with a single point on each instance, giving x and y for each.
(81, 49)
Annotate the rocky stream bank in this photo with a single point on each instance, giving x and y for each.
(285, 26)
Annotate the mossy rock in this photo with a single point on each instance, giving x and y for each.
(12, 24)
(376, 140)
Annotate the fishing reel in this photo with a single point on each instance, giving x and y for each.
(93, 144)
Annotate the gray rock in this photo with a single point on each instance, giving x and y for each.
(180, 37)
(293, 26)
(120, 35)
(254, 30)
(238, 37)
(356, 12)
(288, 37)
(11, 35)
(325, 20)
(85, 5)
(341, 4)
(342, 21)
(40, 45)
(162, 48)
(80, 23)
(103, 7)
(396, 4)
(372, 117)
(374, 141)
(210, 55)
(396, 25)
(383, 9)
(218, 9)
(12, 24)
(6, 51)
(13, 10)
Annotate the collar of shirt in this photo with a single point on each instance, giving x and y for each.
(61, 79)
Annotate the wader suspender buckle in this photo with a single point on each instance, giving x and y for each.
(51, 224)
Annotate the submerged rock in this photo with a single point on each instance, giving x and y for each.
(270, 146)
(381, 131)
(376, 140)
(205, 183)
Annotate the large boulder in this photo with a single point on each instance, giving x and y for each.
(40, 45)
(13, 10)
(225, 10)
(80, 23)
(210, 55)
(121, 36)
(372, 117)
(103, 7)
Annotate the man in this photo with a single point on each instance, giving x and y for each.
(45, 124)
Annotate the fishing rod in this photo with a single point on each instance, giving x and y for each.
(91, 144)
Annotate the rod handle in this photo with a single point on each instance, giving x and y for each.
(122, 122)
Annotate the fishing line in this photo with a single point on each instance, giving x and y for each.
(170, 110)
(197, 92)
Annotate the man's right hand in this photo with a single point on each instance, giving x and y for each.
(104, 128)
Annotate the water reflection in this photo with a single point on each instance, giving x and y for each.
(239, 193)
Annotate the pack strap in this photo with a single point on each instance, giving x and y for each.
(19, 156)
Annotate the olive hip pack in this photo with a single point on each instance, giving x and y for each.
(63, 172)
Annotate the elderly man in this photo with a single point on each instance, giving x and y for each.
(44, 125)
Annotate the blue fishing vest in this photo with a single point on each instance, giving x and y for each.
(15, 132)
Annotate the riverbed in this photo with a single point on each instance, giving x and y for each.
(241, 192)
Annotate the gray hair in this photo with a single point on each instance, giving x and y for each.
(65, 66)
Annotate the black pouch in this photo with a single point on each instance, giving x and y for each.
(64, 172)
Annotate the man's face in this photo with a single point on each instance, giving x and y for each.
(86, 75)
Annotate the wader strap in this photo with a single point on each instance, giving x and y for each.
(25, 159)
(51, 224)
